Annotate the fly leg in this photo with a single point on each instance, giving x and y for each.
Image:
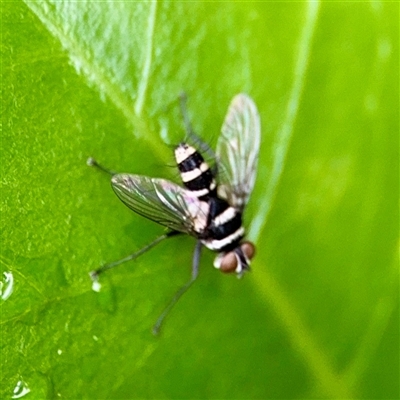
(95, 274)
(182, 290)
(93, 163)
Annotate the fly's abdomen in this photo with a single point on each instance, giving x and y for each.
(195, 172)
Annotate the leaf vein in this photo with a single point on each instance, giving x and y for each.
(268, 287)
(95, 74)
(145, 73)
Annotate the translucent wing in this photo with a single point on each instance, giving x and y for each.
(237, 151)
(162, 201)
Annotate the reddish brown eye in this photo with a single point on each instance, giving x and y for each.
(248, 249)
(228, 262)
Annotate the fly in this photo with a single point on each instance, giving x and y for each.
(210, 204)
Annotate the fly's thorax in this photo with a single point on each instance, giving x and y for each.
(195, 173)
(236, 260)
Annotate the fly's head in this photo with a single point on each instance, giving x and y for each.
(236, 260)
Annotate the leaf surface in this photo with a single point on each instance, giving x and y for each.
(318, 315)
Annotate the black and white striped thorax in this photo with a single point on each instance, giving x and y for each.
(195, 173)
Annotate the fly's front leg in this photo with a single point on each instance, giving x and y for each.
(182, 290)
(94, 275)
(93, 163)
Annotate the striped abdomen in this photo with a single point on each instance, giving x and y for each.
(195, 172)
(224, 229)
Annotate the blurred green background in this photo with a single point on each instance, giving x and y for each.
(318, 315)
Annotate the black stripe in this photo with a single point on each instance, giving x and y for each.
(231, 246)
(192, 162)
(217, 207)
(201, 182)
(222, 231)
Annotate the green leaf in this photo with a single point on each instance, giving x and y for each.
(318, 315)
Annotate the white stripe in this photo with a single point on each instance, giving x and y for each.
(194, 173)
(183, 151)
(225, 216)
(219, 244)
(190, 175)
(199, 193)
(204, 167)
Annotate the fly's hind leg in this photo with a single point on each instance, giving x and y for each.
(182, 290)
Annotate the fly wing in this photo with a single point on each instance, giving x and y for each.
(237, 151)
(162, 201)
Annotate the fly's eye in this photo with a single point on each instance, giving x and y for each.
(248, 249)
(228, 262)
